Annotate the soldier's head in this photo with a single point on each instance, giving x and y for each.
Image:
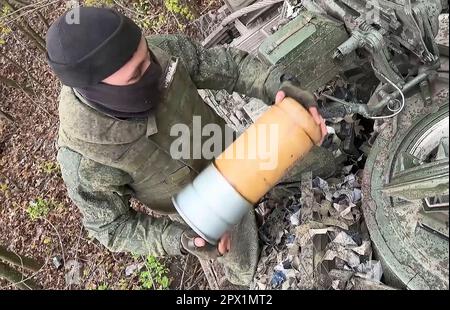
(104, 56)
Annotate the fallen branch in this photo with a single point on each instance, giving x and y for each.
(24, 27)
(19, 260)
(33, 9)
(14, 84)
(42, 18)
(16, 278)
(6, 116)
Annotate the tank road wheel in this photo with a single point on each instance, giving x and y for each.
(406, 193)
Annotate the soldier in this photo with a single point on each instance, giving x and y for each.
(122, 94)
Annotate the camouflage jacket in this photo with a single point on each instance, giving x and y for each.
(106, 161)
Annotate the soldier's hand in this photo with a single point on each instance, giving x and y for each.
(312, 110)
(197, 246)
(293, 90)
(224, 243)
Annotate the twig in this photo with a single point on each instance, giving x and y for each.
(20, 2)
(28, 12)
(189, 279)
(59, 238)
(114, 258)
(195, 283)
(78, 241)
(6, 116)
(178, 22)
(33, 36)
(207, 8)
(128, 9)
(193, 274)
(184, 271)
(44, 21)
(26, 28)
(21, 9)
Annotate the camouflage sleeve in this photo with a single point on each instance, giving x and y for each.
(104, 203)
(223, 67)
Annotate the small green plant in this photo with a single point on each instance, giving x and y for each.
(155, 274)
(142, 8)
(122, 285)
(175, 6)
(5, 11)
(47, 241)
(156, 24)
(50, 167)
(146, 20)
(102, 287)
(4, 29)
(39, 208)
(98, 2)
(4, 189)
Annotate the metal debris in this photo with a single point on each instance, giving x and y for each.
(278, 278)
(316, 239)
(343, 253)
(307, 231)
(295, 218)
(370, 270)
(57, 262)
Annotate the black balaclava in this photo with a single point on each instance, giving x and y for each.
(132, 101)
(84, 51)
